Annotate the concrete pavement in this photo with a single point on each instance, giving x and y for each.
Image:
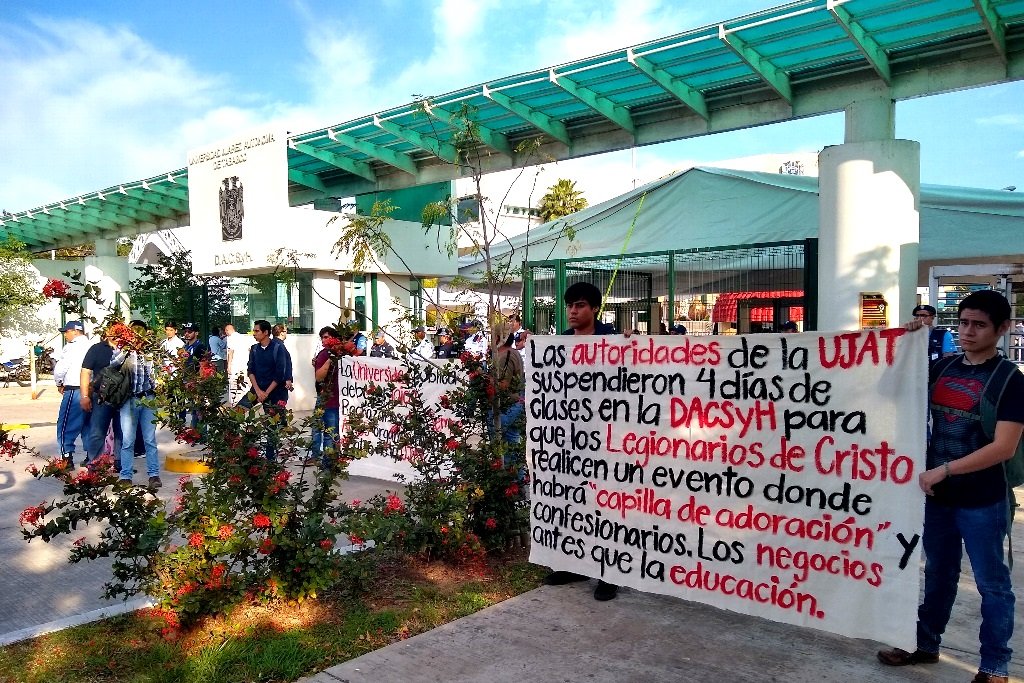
(39, 591)
(549, 634)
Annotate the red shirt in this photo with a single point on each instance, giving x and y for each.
(331, 381)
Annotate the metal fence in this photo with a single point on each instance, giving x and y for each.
(725, 290)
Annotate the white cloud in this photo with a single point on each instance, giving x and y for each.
(88, 106)
(1011, 120)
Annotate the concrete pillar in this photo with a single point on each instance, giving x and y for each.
(110, 273)
(869, 219)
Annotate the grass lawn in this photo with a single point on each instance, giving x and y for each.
(273, 642)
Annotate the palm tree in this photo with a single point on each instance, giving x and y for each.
(561, 199)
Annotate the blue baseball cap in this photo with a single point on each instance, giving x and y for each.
(73, 325)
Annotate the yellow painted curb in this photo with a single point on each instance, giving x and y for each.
(185, 464)
(12, 427)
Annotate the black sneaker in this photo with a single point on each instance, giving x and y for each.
(605, 591)
(561, 578)
(155, 483)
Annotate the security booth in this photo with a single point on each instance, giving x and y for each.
(718, 290)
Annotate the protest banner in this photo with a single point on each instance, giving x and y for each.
(356, 373)
(773, 475)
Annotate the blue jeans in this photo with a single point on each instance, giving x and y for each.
(325, 436)
(947, 530)
(72, 422)
(103, 414)
(135, 415)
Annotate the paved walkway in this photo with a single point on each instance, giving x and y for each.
(547, 635)
(39, 590)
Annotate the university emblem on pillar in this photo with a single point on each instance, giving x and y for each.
(231, 211)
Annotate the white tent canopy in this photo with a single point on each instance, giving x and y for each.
(712, 207)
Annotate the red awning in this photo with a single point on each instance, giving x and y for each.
(726, 306)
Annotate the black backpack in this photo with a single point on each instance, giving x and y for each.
(113, 385)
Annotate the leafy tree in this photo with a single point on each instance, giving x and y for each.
(19, 294)
(561, 199)
(175, 291)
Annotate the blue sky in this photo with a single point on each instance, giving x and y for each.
(101, 92)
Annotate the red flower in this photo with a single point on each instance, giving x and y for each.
(452, 444)
(266, 547)
(327, 544)
(282, 404)
(260, 521)
(444, 530)
(356, 540)
(512, 491)
(57, 289)
(225, 532)
(254, 471)
(195, 539)
(206, 370)
(252, 452)
(356, 502)
(79, 542)
(491, 523)
(189, 436)
(218, 571)
(394, 504)
(234, 480)
(282, 477)
(32, 515)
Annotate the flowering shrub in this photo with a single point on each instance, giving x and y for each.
(469, 494)
(251, 528)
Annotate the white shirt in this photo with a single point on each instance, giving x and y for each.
(477, 344)
(423, 349)
(171, 346)
(239, 344)
(68, 370)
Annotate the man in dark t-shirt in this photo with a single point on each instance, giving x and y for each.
(966, 505)
(103, 414)
(582, 304)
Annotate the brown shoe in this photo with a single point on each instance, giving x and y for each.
(983, 677)
(898, 657)
(155, 483)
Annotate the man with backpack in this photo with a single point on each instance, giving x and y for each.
(977, 407)
(104, 413)
(135, 413)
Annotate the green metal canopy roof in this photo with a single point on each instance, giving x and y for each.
(805, 58)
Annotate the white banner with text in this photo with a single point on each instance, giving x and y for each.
(772, 475)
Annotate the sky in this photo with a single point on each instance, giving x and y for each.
(104, 92)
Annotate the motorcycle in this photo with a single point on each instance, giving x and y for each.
(44, 360)
(15, 370)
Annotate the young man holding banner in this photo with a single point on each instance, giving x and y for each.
(965, 483)
(582, 304)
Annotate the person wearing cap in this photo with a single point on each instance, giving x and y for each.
(678, 329)
(446, 347)
(72, 420)
(788, 327)
(422, 348)
(940, 340)
(196, 351)
(381, 348)
(476, 340)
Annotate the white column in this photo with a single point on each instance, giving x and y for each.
(869, 221)
(110, 272)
